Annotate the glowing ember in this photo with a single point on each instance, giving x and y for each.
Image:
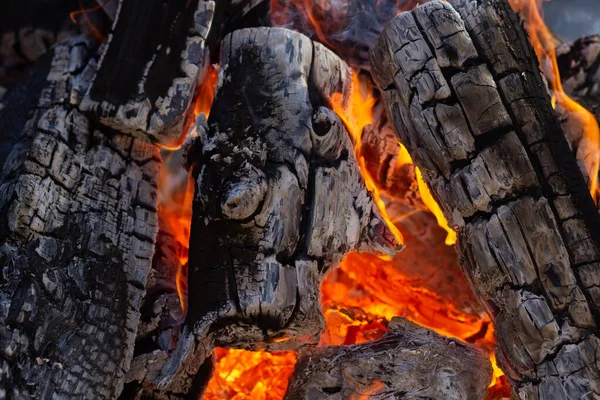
(241, 374)
(544, 45)
(374, 388)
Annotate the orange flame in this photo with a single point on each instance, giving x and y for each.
(206, 92)
(356, 115)
(372, 389)
(175, 216)
(544, 45)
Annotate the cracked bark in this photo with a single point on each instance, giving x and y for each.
(78, 220)
(78, 204)
(279, 199)
(466, 98)
(398, 365)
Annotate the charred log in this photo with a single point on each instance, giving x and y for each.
(407, 362)
(150, 91)
(467, 99)
(279, 199)
(78, 224)
(77, 229)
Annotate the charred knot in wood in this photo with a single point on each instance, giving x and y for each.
(323, 121)
(243, 198)
(328, 134)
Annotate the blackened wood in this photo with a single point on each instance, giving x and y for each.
(408, 362)
(279, 199)
(467, 99)
(77, 230)
(150, 67)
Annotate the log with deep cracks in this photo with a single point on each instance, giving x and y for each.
(279, 199)
(466, 97)
(78, 222)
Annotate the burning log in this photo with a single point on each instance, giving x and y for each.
(407, 362)
(77, 231)
(279, 199)
(151, 90)
(466, 98)
(78, 220)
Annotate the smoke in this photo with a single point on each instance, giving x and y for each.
(571, 19)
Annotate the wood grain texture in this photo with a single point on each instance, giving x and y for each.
(279, 199)
(466, 97)
(408, 362)
(77, 230)
(149, 69)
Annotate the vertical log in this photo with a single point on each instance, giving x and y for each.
(78, 203)
(466, 97)
(279, 199)
(77, 229)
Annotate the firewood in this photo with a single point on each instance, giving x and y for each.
(408, 362)
(279, 199)
(466, 98)
(78, 221)
(149, 91)
(77, 229)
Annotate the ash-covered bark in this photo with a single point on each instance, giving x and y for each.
(77, 230)
(466, 97)
(279, 199)
(149, 91)
(408, 362)
(78, 224)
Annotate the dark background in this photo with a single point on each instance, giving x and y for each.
(570, 19)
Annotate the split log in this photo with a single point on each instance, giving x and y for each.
(279, 199)
(149, 92)
(408, 362)
(466, 97)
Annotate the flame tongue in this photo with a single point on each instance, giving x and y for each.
(544, 45)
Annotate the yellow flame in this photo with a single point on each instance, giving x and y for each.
(356, 115)
(544, 46)
(433, 206)
(405, 158)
